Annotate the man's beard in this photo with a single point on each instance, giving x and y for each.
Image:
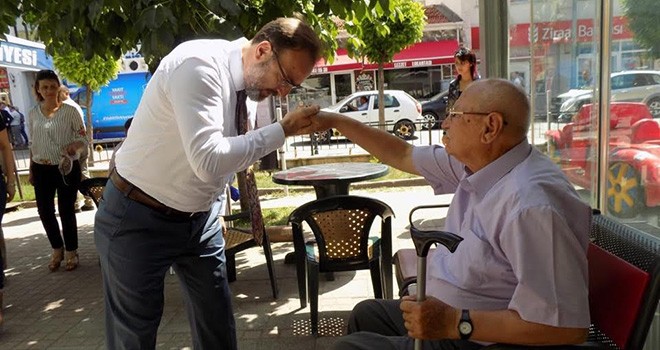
(253, 79)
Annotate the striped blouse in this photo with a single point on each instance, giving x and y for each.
(50, 136)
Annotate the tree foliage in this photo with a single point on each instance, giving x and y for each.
(92, 73)
(382, 34)
(643, 21)
(108, 28)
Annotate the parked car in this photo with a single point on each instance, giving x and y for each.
(434, 110)
(634, 159)
(401, 112)
(627, 86)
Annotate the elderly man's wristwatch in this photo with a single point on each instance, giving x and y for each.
(465, 325)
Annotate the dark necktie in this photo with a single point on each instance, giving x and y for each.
(241, 112)
(248, 190)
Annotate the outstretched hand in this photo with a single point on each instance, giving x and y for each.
(299, 121)
(429, 319)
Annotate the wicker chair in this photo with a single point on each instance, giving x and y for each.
(238, 239)
(341, 226)
(93, 188)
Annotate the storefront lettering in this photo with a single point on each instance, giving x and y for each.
(548, 32)
(319, 70)
(399, 64)
(421, 63)
(15, 55)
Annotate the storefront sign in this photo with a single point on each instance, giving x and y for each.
(556, 32)
(22, 56)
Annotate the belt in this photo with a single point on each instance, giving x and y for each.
(133, 192)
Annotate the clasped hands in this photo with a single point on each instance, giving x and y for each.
(305, 120)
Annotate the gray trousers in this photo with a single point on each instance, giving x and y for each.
(137, 246)
(378, 324)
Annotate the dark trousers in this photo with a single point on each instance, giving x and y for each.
(47, 182)
(136, 246)
(378, 324)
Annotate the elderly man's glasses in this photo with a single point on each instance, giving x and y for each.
(453, 114)
(286, 82)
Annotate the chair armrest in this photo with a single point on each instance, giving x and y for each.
(587, 345)
(241, 215)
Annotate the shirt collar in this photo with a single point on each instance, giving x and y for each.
(484, 179)
(236, 63)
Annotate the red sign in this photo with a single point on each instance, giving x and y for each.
(557, 32)
(4, 80)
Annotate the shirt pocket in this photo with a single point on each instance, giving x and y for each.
(472, 264)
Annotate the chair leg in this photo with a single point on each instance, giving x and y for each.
(231, 267)
(374, 269)
(271, 267)
(301, 272)
(313, 280)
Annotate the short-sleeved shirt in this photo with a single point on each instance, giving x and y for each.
(51, 135)
(525, 236)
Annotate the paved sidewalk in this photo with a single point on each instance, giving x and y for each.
(64, 310)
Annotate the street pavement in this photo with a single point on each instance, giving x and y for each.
(64, 310)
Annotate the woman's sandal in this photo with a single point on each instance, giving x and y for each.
(56, 259)
(71, 261)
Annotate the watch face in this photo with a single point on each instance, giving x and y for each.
(465, 328)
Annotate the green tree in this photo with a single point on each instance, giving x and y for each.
(108, 28)
(378, 36)
(643, 21)
(92, 74)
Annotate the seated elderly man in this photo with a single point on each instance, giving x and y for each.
(520, 274)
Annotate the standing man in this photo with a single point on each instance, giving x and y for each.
(160, 207)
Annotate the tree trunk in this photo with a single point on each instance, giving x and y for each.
(381, 96)
(90, 127)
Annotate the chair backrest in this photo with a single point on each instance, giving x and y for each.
(93, 188)
(341, 226)
(250, 202)
(624, 283)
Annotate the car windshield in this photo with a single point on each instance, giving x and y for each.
(439, 96)
(341, 102)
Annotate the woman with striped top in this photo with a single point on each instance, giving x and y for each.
(58, 137)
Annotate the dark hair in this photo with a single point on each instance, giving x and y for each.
(45, 74)
(291, 34)
(464, 54)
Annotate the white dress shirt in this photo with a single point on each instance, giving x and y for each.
(182, 147)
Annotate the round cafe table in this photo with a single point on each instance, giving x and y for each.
(330, 179)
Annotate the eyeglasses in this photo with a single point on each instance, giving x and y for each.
(286, 82)
(453, 114)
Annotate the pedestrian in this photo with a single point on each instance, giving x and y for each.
(160, 207)
(465, 61)
(58, 139)
(65, 97)
(20, 133)
(520, 274)
(7, 192)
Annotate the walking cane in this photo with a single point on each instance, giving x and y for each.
(423, 240)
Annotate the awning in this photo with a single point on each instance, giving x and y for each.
(429, 53)
(24, 54)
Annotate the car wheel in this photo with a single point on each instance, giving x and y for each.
(404, 129)
(323, 136)
(625, 192)
(431, 119)
(654, 107)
